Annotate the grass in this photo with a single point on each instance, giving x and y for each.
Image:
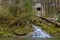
(50, 29)
(7, 28)
(15, 18)
(19, 25)
(19, 21)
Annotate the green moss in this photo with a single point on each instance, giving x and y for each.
(23, 30)
(48, 28)
(5, 34)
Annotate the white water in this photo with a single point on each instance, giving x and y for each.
(38, 32)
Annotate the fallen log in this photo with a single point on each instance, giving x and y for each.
(56, 24)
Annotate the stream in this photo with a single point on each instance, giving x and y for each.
(38, 33)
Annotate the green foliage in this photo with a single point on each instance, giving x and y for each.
(18, 16)
(23, 31)
(14, 17)
(58, 19)
(48, 28)
(28, 5)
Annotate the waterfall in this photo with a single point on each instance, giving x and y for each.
(38, 32)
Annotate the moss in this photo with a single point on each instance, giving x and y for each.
(23, 31)
(51, 29)
(5, 34)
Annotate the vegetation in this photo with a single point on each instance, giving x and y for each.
(18, 16)
(14, 18)
(51, 29)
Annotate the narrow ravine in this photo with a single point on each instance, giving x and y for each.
(38, 32)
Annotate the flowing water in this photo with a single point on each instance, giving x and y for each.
(38, 33)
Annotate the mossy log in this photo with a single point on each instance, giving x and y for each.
(51, 22)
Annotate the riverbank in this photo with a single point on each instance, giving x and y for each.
(9, 26)
(50, 29)
(22, 27)
(16, 19)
